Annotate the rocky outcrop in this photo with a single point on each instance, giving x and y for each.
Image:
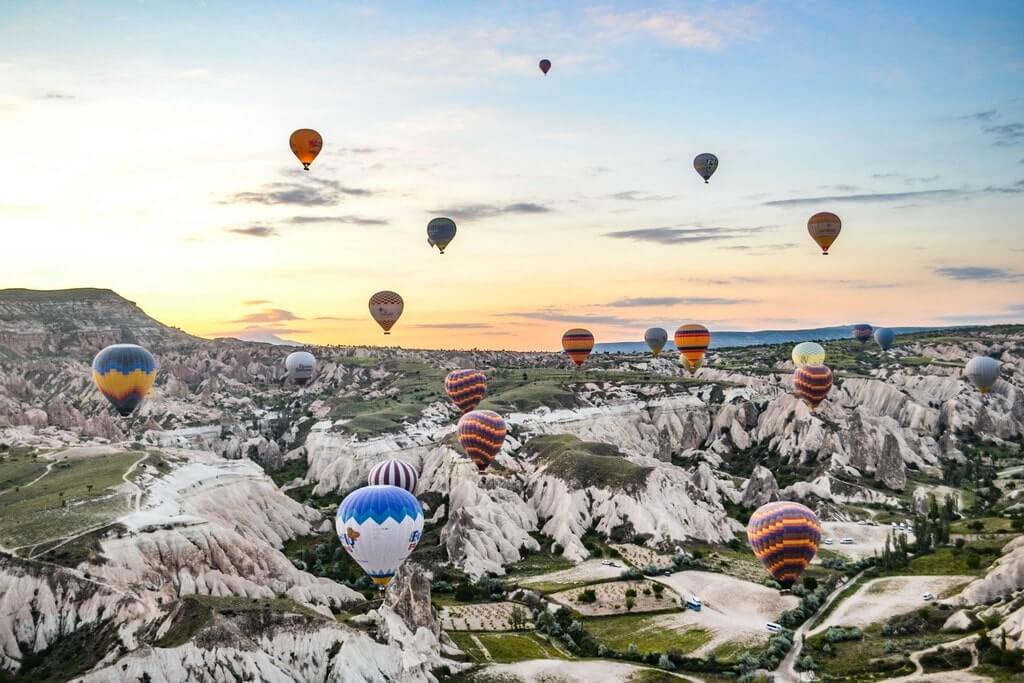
(761, 488)
(408, 595)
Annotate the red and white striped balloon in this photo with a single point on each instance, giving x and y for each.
(394, 473)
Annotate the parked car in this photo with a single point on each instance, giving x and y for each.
(847, 541)
(927, 597)
(773, 627)
(829, 541)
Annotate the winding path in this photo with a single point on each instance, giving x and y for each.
(25, 486)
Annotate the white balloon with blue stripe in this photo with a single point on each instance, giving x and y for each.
(379, 526)
(394, 472)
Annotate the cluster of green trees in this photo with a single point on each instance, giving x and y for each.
(809, 604)
(778, 647)
(993, 651)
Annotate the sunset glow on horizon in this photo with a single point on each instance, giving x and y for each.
(146, 151)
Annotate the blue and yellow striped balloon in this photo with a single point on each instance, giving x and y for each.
(785, 537)
(124, 373)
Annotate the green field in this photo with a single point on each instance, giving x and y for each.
(619, 632)
(585, 463)
(18, 470)
(196, 611)
(990, 525)
(504, 647)
(74, 496)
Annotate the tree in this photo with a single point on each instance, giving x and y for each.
(976, 525)
(658, 590)
(665, 663)
(810, 583)
(589, 595)
(629, 603)
(518, 618)
(972, 560)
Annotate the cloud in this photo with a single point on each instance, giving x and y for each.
(57, 96)
(259, 330)
(979, 116)
(880, 176)
(559, 316)
(705, 32)
(311, 192)
(453, 326)
(839, 188)
(359, 150)
(335, 317)
(870, 197)
(480, 211)
(268, 315)
(348, 220)
(255, 302)
(675, 301)
(685, 235)
(977, 273)
(1006, 134)
(255, 231)
(758, 249)
(638, 196)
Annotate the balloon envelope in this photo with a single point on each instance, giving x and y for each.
(862, 332)
(577, 344)
(982, 371)
(466, 388)
(386, 308)
(393, 472)
(124, 373)
(705, 164)
(785, 537)
(379, 526)
(808, 353)
(440, 231)
(306, 143)
(812, 383)
(481, 433)
(884, 337)
(824, 228)
(300, 366)
(545, 66)
(692, 340)
(656, 339)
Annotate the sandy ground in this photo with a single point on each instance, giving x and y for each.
(487, 616)
(77, 452)
(867, 540)
(559, 671)
(880, 599)
(611, 599)
(590, 570)
(640, 557)
(734, 610)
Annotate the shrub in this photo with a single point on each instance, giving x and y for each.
(665, 663)
(587, 596)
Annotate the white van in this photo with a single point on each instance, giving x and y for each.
(773, 627)
(927, 597)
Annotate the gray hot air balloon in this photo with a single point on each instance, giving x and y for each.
(983, 372)
(705, 164)
(300, 366)
(440, 231)
(884, 337)
(656, 338)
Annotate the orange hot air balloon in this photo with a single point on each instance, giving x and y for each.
(693, 341)
(578, 343)
(824, 228)
(306, 143)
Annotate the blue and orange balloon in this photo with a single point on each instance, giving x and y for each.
(124, 373)
(481, 434)
(785, 537)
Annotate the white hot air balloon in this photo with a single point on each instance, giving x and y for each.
(379, 526)
(982, 371)
(808, 353)
(300, 366)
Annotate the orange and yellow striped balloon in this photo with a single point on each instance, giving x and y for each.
(577, 344)
(785, 537)
(692, 340)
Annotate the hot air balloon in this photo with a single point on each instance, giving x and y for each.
(983, 372)
(386, 308)
(481, 433)
(705, 164)
(812, 383)
(393, 472)
(440, 231)
(692, 340)
(824, 228)
(379, 526)
(124, 373)
(808, 353)
(545, 66)
(785, 537)
(656, 339)
(466, 388)
(862, 332)
(577, 344)
(884, 337)
(306, 143)
(300, 366)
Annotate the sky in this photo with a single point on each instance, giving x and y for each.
(145, 149)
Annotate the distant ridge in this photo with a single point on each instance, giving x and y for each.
(726, 339)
